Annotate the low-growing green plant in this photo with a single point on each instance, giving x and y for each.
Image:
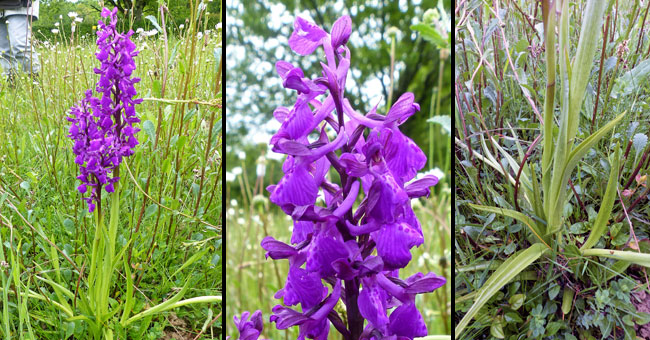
(545, 198)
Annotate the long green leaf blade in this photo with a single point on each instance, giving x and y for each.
(559, 191)
(627, 256)
(529, 222)
(581, 68)
(502, 276)
(605, 212)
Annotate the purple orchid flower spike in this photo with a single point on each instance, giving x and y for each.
(358, 237)
(102, 127)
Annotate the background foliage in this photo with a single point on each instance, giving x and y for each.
(178, 13)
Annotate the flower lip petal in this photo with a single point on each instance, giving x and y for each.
(303, 287)
(420, 187)
(341, 31)
(281, 113)
(283, 67)
(403, 157)
(424, 283)
(276, 249)
(294, 81)
(402, 109)
(297, 187)
(373, 304)
(394, 243)
(407, 321)
(299, 121)
(306, 36)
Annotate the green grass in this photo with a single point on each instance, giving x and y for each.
(44, 226)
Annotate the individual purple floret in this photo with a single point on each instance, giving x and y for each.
(102, 127)
(351, 247)
(249, 329)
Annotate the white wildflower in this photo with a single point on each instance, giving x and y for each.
(150, 33)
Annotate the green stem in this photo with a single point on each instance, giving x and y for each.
(437, 94)
(110, 246)
(94, 255)
(392, 72)
(94, 285)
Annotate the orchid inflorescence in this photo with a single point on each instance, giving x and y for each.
(336, 243)
(102, 126)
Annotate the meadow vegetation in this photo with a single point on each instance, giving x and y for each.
(168, 241)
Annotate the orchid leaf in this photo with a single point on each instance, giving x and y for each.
(640, 259)
(605, 212)
(502, 276)
(528, 221)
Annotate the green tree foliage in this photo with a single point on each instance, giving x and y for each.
(178, 13)
(257, 38)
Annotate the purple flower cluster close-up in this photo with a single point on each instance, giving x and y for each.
(102, 127)
(249, 329)
(351, 247)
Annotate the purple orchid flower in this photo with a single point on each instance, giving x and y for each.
(249, 329)
(102, 127)
(359, 238)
